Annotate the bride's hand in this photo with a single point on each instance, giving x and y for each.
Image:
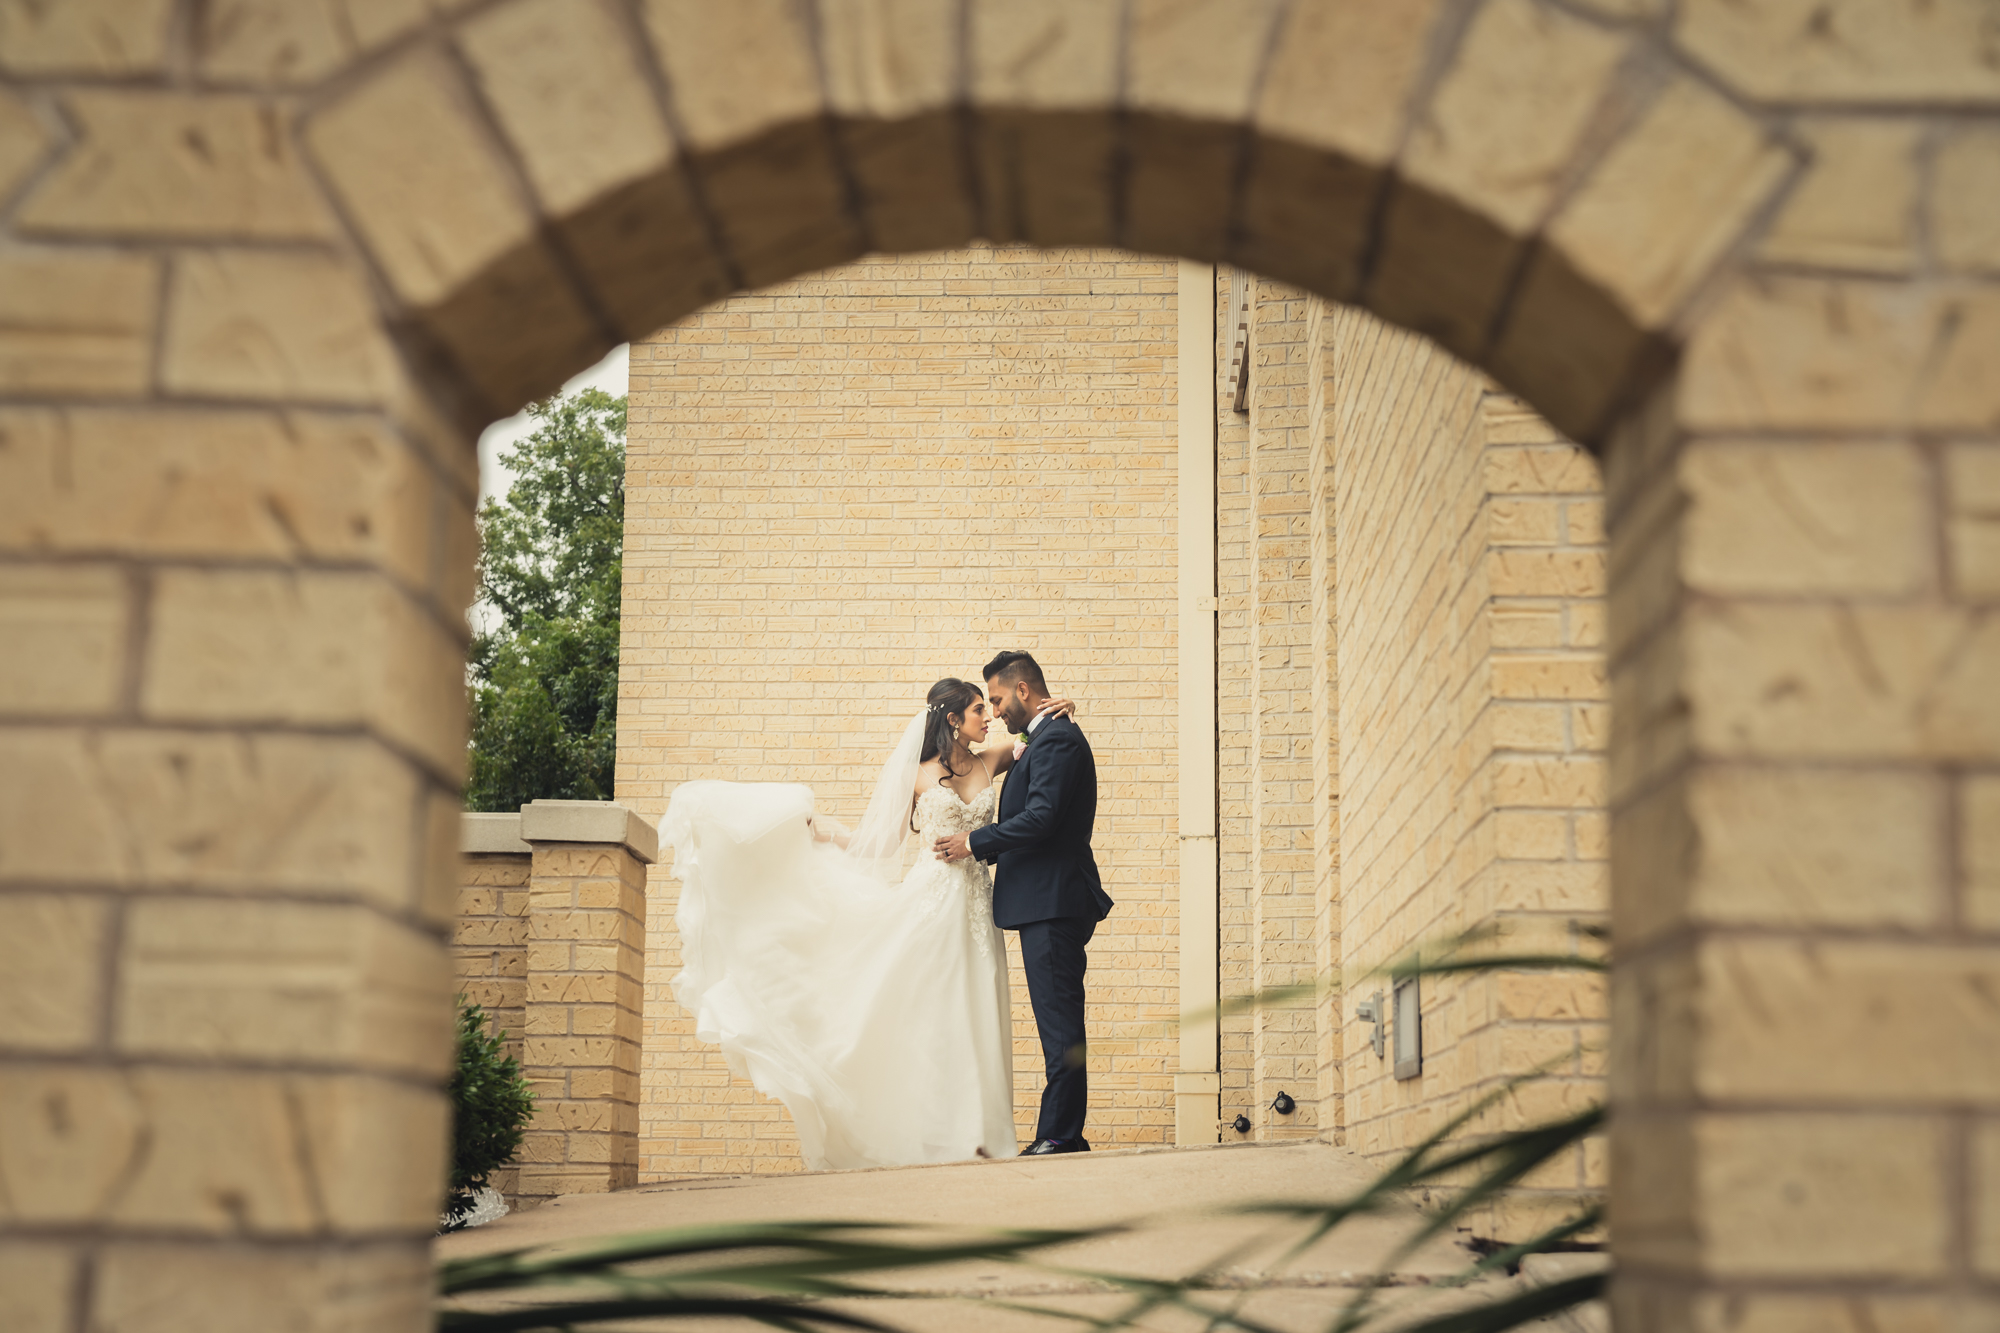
(825, 828)
(1057, 708)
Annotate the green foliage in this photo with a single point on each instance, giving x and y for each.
(490, 1103)
(545, 680)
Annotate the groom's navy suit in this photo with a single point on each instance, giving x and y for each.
(1046, 887)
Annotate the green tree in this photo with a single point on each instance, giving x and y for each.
(544, 679)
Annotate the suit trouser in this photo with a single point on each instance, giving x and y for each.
(1053, 958)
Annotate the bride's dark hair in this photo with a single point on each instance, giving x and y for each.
(950, 695)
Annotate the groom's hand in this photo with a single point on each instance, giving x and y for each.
(955, 848)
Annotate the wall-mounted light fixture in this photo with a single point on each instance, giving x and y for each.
(1283, 1104)
(1409, 1028)
(1241, 1124)
(1370, 1010)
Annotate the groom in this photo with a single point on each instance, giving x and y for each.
(1046, 886)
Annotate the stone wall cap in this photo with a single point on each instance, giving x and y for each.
(590, 821)
(490, 833)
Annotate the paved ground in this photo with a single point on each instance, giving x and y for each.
(1181, 1203)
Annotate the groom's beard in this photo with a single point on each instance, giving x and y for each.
(1015, 714)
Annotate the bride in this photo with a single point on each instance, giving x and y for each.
(871, 1002)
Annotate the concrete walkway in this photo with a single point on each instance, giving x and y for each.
(1181, 1202)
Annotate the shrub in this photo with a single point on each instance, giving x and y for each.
(490, 1106)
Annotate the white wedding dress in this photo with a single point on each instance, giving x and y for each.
(874, 1007)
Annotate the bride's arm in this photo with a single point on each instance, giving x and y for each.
(1003, 756)
(825, 828)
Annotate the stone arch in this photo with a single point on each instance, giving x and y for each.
(266, 266)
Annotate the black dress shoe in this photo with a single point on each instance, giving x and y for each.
(1045, 1147)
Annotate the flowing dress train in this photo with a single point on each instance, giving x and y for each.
(877, 1014)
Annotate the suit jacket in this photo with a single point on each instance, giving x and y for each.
(1041, 837)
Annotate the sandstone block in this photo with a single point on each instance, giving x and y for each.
(1884, 1022)
(1852, 681)
(1511, 110)
(1811, 847)
(306, 648)
(565, 87)
(1979, 849)
(736, 69)
(558, 1052)
(1828, 516)
(74, 321)
(886, 59)
(305, 983)
(1972, 519)
(379, 1152)
(1804, 1195)
(1984, 1193)
(1965, 174)
(56, 823)
(1805, 353)
(1856, 207)
(1041, 72)
(286, 814)
(1530, 626)
(38, 1285)
(73, 1135)
(260, 324)
(87, 37)
(217, 484)
(1553, 469)
(1651, 220)
(1044, 53)
(1332, 102)
(419, 178)
(51, 957)
(1543, 676)
(1198, 61)
(62, 638)
(1340, 74)
(437, 887)
(177, 166)
(254, 1289)
(1850, 51)
(284, 42)
(1549, 995)
(222, 1156)
(1527, 572)
(23, 141)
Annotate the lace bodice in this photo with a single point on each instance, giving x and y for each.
(940, 812)
(967, 883)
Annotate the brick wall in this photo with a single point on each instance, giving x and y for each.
(1471, 726)
(845, 487)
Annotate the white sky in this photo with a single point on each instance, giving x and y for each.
(612, 374)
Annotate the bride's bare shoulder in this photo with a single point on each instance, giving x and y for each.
(928, 774)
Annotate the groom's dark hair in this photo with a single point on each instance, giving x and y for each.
(1011, 666)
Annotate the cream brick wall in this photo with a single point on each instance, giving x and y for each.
(1472, 721)
(845, 487)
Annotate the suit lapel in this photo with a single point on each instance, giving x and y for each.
(1018, 774)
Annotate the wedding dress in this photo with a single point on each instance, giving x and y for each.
(872, 1003)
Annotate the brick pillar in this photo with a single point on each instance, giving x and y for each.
(1285, 1052)
(1806, 1071)
(1324, 721)
(489, 940)
(586, 970)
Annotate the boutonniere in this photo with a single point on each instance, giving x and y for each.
(1020, 747)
